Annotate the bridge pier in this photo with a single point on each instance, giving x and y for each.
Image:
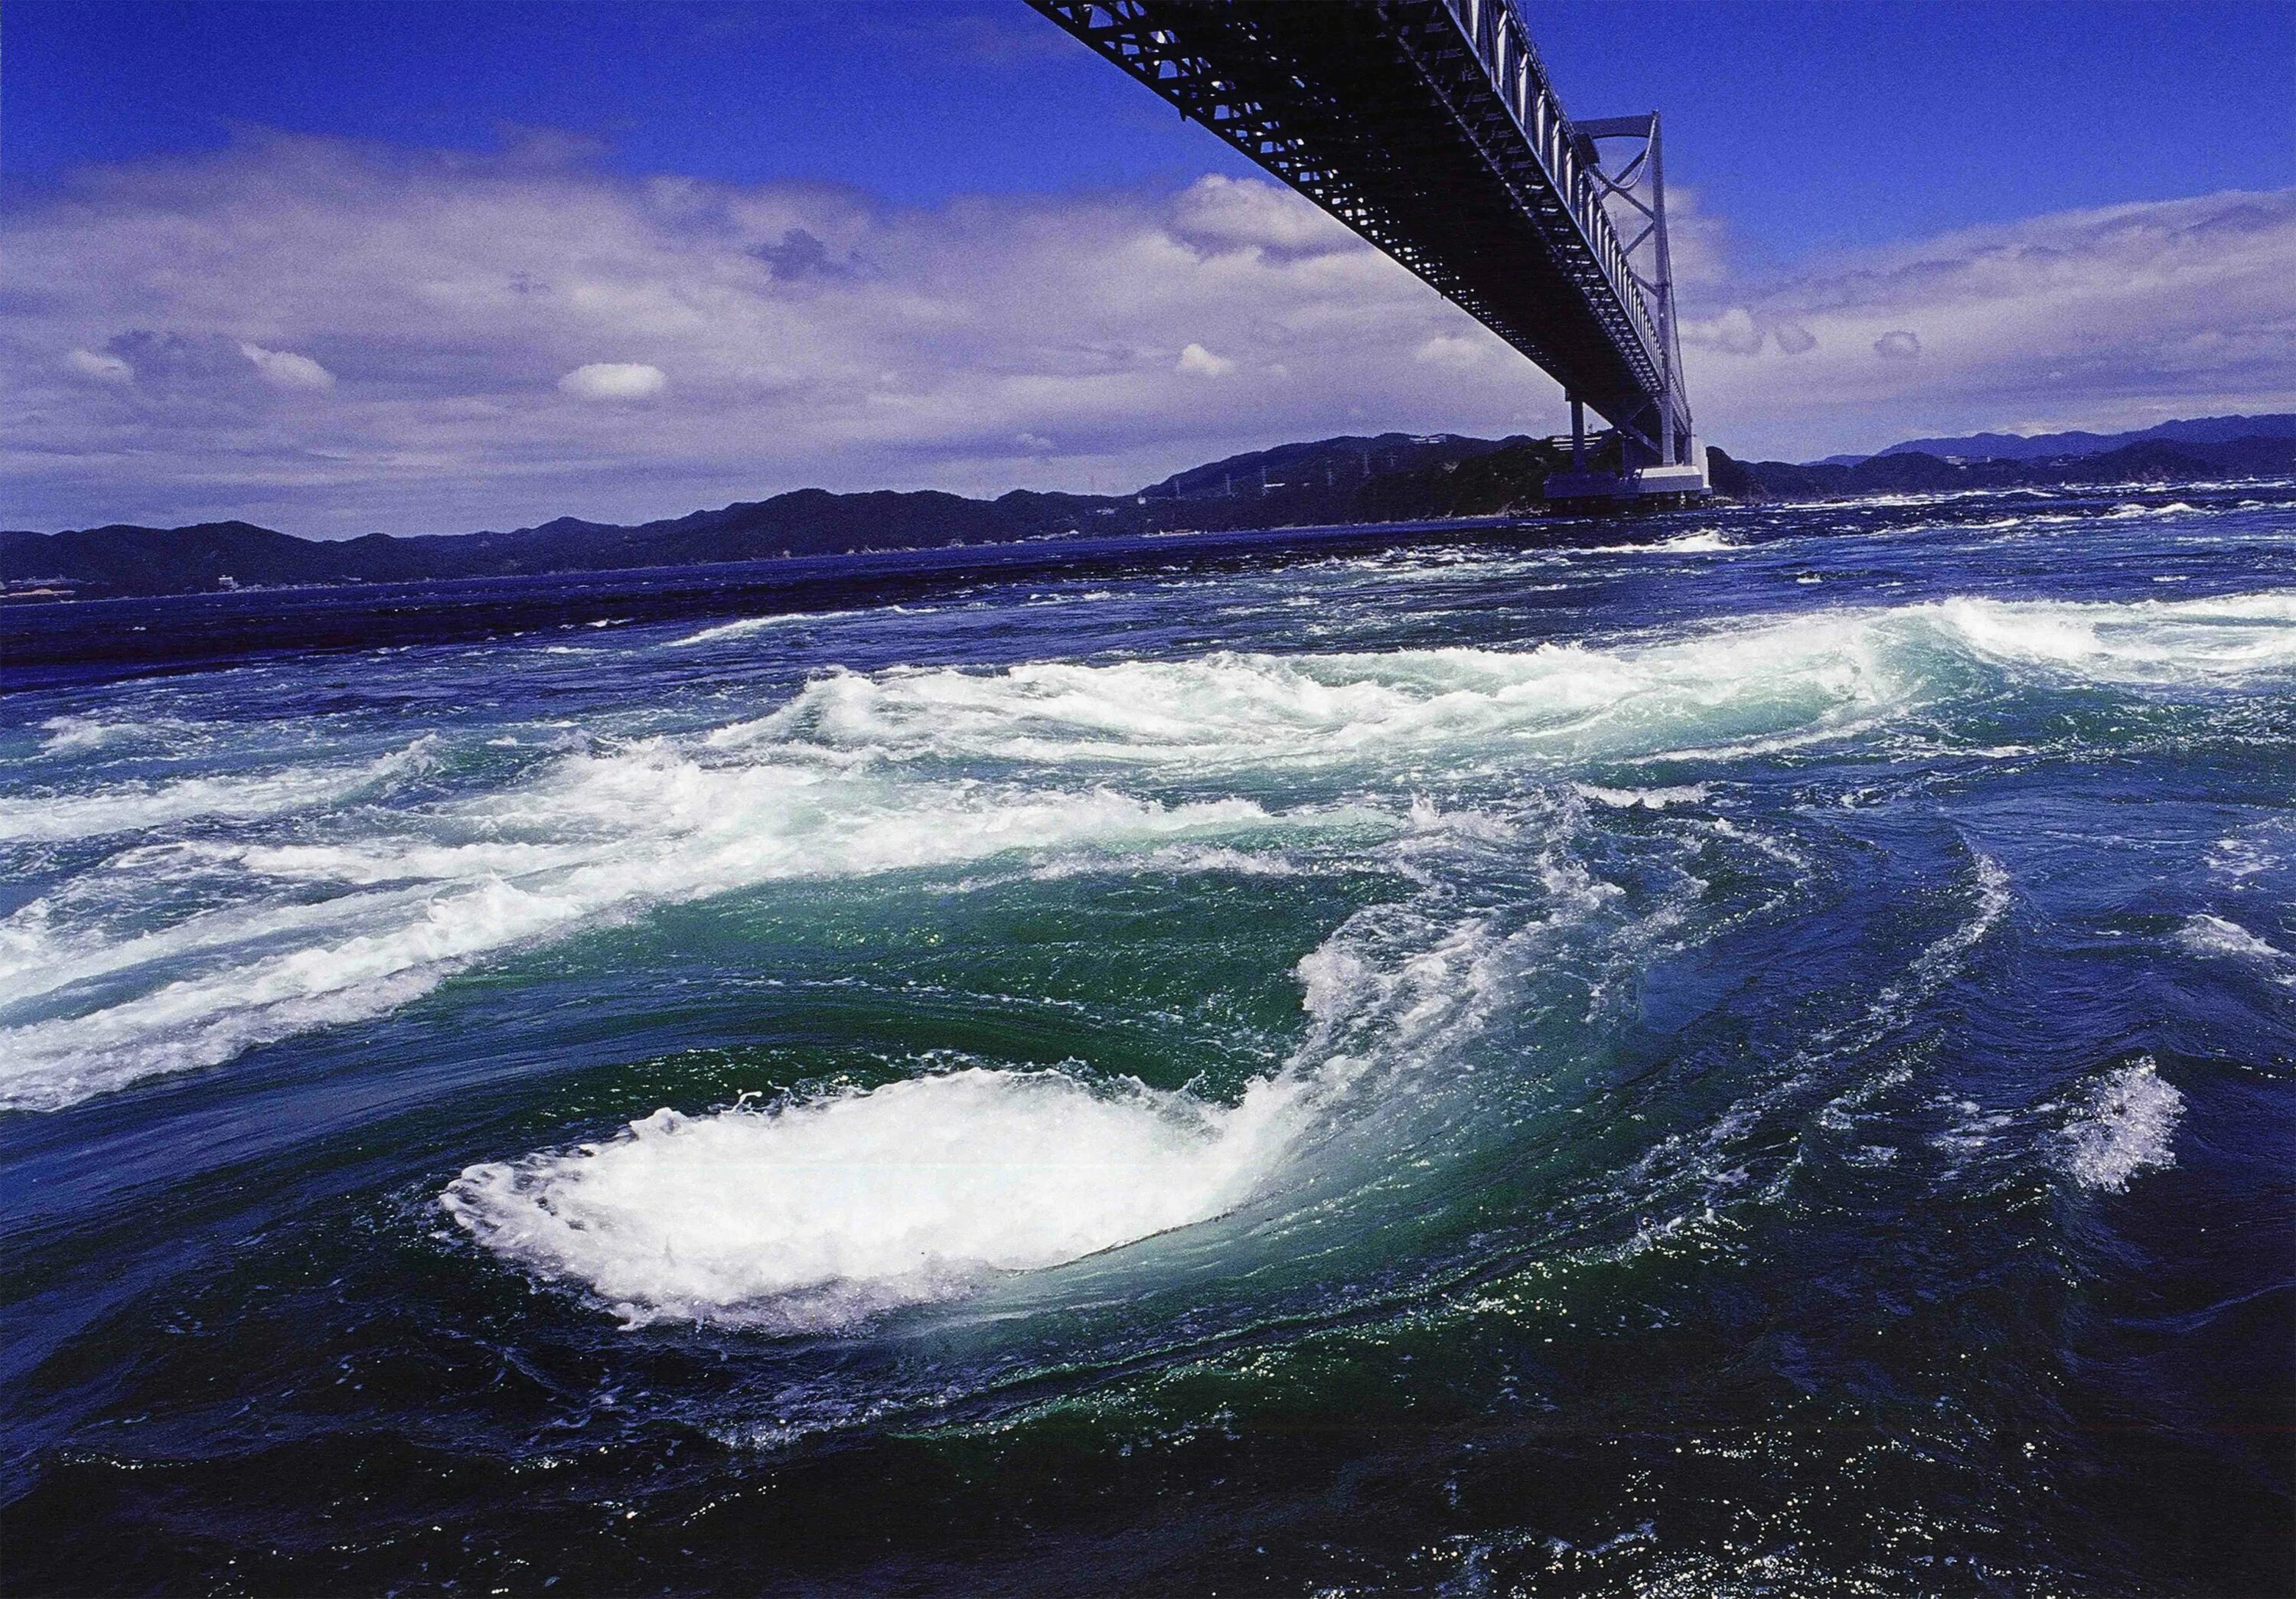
(1645, 476)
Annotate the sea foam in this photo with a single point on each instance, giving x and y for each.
(644, 826)
(815, 1215)
(2215, 936)
(295, 926)
(2123, 1123)
(143, 806)
(1742, 687)
(819, 1214)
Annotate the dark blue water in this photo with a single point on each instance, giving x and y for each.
(1759, 1059)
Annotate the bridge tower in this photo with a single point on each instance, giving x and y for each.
(1633, 188)
(1429, 127)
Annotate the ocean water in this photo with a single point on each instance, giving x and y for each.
(1747, 1053)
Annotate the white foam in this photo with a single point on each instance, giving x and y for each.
(1941, 958)
(2255, 851)
(2214, 936)
(1548, 705)
(815, 1215)
(50, 816)
(643, 826)
(2230, 639)
(1703, 542)
(927, 767)
(2124, 1123)
(1180, 859)
(818, 1214)
(1649, 798)
(1743, 687)
(45, 946)
(760, 624)
(82, 735)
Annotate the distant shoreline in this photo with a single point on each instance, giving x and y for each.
(1328, 487)
(49, 643)
(137, 634)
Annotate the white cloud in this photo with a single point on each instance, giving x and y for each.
(1793, 339)
(284, 369)
(102, 368)
(818, 337)
(2113, 317)
(1244, 213)
(811, 336)
(1455, 349)
(614, 381)
(1734, 331)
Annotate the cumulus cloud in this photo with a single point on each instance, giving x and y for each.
(101, 367)
(1793, 337)
(799, 255)
(614, 381)
(172, 377)
(188, 310)
(809, 335)
(1455, 349)
(1734, 332)
(2117, 316)
(1244, 213)
(284, 369)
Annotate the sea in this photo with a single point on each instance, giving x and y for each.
(1749, 1051)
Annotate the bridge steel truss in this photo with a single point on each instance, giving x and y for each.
(1429, 128)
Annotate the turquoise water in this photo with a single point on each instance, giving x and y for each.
(1753, 1062)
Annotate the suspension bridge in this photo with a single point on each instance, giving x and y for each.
(1429, 127)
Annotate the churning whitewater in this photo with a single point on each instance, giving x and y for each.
(211, 932)
(1444, 1068)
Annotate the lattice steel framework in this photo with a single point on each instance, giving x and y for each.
(1429, 127)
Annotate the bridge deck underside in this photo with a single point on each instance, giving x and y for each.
(1381, 113)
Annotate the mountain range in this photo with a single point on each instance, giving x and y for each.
(2040, 446)
(2151, 460)
(1354, 479)
(1388, 477)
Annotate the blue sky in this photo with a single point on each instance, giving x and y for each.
(1827, 152)
(1809, 125)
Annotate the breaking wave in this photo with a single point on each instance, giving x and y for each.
(1746, 685)
(50, 817)
(606, 835)
(2207, 935)
(184, 951)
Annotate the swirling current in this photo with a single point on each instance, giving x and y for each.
(1755, 1058)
